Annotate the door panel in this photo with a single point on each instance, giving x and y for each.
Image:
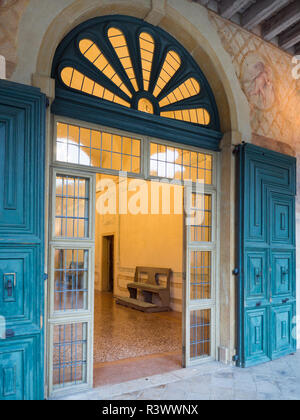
(257, 278)
(282, 320)
(256, 331)
(282, 280)
(282, 216)
(18, 369)
(22, 122)
(267, 276)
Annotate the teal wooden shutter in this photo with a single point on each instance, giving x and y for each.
(22, 122)
(267, 279)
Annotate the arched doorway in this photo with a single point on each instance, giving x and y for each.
(131, 106)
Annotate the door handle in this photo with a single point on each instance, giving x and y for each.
(258, 304)
(9, 333)
(285, 300)
(10, 281)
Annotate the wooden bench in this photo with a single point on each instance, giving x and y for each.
(148, 280)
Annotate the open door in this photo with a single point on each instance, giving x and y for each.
(22, 122)
(71, 282)
(200, 284)
(267, 279)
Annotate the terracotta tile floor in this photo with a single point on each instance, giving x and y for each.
(129, 344)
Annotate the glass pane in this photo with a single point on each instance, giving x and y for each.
(78, 81)
(69, 355)
(72, 207)
(196, 116)
(170, 67)
(97, 149)
(200, 275)
(186, 90)
(201, 228)
(70, 280)
(180, 164)
(147, 47)
(119, 43)
(91, 51)
(200, 333)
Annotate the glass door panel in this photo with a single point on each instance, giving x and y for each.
(71, 283)
(200, 282)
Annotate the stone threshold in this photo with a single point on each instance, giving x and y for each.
(107, 392)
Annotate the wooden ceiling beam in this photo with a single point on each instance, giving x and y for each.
(282, 21)
(228, 8)
(290, 38)
(261, 11)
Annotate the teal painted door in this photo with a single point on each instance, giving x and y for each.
(267, 275)
(22, 121)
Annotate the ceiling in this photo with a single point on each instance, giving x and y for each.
(277, 21)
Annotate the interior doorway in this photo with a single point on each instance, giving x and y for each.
(108, 263)
(131, 343)
(163, 220)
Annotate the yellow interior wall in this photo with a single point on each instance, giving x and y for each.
(154, 240)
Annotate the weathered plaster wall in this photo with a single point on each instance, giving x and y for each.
(11, 12)
(265, 75)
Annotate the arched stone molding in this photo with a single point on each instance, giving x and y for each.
(187, 22)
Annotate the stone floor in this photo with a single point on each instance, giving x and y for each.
(278, 380)
(123, 333)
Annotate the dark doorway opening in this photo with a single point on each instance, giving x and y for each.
(108, 263)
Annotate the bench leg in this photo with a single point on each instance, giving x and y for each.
(147, 296)
(165, 299)
(133, 293)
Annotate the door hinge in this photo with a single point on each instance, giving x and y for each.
(236, 358)
(236, 150)
(45, 276)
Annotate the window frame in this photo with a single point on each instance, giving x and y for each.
(87, 316)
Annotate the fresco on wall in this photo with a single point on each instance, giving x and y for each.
(11, 12)
(265, 74)
(258, 82)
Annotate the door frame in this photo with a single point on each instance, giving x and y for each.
(87, 171)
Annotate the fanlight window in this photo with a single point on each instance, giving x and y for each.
(140, 76)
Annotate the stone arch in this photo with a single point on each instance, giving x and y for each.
(187, 22)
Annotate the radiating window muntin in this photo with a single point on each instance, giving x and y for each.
(91, 51)
(180, 164)
(98, 149)
(147, 48)
(186, 90)
(78, 81)
(172, 104)
(170, 67)
(118, 41)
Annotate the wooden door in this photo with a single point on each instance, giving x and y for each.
(267, 280)
(22, 122)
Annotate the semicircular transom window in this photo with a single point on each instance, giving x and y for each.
(138, 70)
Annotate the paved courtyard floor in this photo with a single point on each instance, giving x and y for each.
(278, 380)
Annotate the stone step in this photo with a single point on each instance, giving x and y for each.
(140, 305)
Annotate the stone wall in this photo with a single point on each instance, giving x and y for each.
(11, 12)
